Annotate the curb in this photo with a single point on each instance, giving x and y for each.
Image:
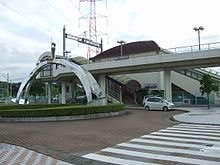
(63, 118)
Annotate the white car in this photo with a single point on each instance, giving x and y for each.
(158, 103)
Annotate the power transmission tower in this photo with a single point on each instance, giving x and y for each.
(92, 32)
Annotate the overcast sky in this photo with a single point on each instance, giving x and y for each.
(28, 27)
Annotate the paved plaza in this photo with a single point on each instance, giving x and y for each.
(138, 137)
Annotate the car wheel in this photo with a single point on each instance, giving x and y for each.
(147, 108)
(165, 108)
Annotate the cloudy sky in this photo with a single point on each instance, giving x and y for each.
(28, 27)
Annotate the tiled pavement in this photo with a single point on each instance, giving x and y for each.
(14, 155)
(180, 144)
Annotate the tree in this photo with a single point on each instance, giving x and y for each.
(207, 86)
(37, 87)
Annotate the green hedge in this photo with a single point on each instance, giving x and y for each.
(31, 106)
(67, 110)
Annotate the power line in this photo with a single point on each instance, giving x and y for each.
(52, 6)
(77, 9)
(27, 18)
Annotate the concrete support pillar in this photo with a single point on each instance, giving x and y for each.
(102, 83)
(49, 92)
(120, 95)
(63, 93)
(70, 85)
(167, 85)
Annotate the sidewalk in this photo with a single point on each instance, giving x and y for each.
(12, 155)
(199, 115)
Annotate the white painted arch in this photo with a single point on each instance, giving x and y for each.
(88, 81)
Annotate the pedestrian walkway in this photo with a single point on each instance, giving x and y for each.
(180, 144)
(14, 155)
(199, 115)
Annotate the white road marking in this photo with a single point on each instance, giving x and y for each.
(184, 135)
(181, 139)
(109, 159)
(184, 143)
(161, 157)
(190, 132)
(168, 143)
(193, 129)
(170, 150)
(59, 162)
(198, 126)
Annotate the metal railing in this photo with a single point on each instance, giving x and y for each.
(176, 50)
(212, 72)
(193, 48)
(114, 94)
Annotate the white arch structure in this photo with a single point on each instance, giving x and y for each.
(88, 81)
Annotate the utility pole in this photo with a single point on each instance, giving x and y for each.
(64, 40)
(92, 31)
(81, 40)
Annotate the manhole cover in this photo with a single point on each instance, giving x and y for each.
(211, 149)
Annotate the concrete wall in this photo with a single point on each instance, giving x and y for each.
(188, 84)
(149, 78)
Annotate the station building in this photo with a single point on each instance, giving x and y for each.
(130, 88)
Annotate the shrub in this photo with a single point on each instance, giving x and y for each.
(59, 110)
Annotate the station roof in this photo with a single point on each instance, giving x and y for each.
(129, 48)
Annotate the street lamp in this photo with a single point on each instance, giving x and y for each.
(66, 53)
(6, 75)
(121, 42)
(53, 48)
(198, 30)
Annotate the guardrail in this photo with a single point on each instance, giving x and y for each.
(176, 50)
(193, 48)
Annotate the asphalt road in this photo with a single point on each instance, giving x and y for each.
(70, 139)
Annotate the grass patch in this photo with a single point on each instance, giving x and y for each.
(48, 110)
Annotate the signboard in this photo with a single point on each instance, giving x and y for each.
(150, 85)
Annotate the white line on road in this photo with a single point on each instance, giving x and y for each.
(190, 132)
(109, 159)
(170, 150)
(168, 143)
(193, 129)
(199, 126)
(181, 139)
(161, 157)
(184, 135)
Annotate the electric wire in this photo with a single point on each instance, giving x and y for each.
(52, 6)
(27, 18)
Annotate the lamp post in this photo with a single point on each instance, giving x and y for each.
(198, 30)
(6, 76)
(53, 48)
(121, 42)
(66, 53)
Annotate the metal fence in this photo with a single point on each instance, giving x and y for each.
(193, 48)
(181, 98)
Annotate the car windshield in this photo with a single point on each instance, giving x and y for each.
(166, 101)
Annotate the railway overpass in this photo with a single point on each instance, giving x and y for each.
(166, 60)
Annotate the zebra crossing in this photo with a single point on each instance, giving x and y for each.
(15, 155)
(179, 144)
